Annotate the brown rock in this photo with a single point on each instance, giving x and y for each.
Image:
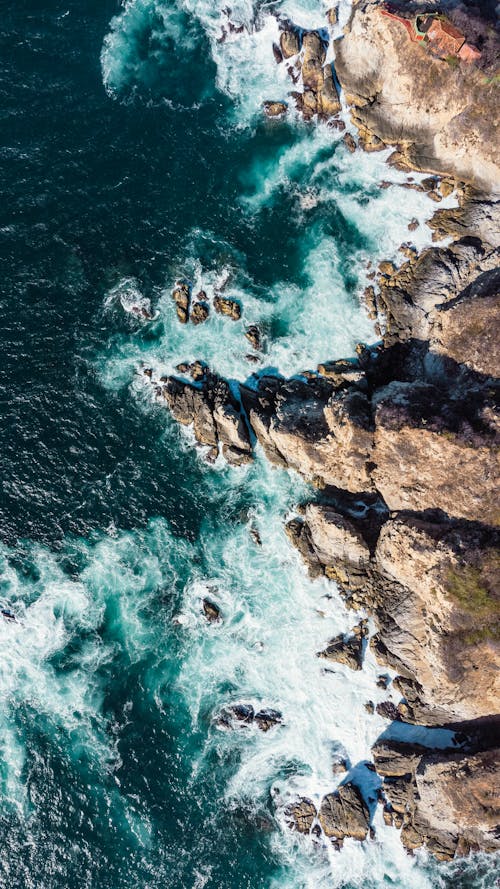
(289, 44)
(275, 109)
(344, 813)
(229, 307)
(182, 298)
(301, 815)
(349, 142)
(199, 313)
(313, 61)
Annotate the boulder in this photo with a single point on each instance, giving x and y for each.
(199, 313)
(301, 815)
(182, 298)
(275, 109)
(267, 718)
(252, 334)
(345, 813)
(211, 611)
(229, 307)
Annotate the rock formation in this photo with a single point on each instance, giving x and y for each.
(441, 115)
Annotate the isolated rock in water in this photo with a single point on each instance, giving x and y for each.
(252, 334)
(267, 718)
(226, 306)
(301, 815)
(211, 611)
(345, 813)
(182, 298)
(313, 61)
(289, 44)
(275, 109)
(347, 650)
(199, 313)
(236, 714)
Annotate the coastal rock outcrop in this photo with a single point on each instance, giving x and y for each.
(446, 800)
(441, 115)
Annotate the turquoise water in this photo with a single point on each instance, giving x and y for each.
(134, 153)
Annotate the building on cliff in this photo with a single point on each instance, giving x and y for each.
(436, 32)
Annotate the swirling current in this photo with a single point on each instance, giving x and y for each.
(134, 152)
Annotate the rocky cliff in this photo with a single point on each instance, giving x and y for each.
(441, 113)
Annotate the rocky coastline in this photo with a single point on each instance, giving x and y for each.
(401, 442)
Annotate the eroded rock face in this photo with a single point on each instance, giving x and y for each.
(445, 800)
(345, 813)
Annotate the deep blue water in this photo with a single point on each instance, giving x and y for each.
(112, 772)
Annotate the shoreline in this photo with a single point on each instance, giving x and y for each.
(409, 429)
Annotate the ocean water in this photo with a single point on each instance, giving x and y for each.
(133, 153)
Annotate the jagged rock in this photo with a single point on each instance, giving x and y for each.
(347, 650)
(413, 225)
(332, 15)
(301, 815)
(182, 298)
(278, 55)
(226, 306)
(236, 714)
(342, 371)
(329, 102)
(199, 313)
(289, 44)
(214, 412)
(339, 766)
(211, 611)
(252, 334)
(274, 109)
(349, 142)
(330, 442)
(267, 719)
(198, 370)
(345, 813)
